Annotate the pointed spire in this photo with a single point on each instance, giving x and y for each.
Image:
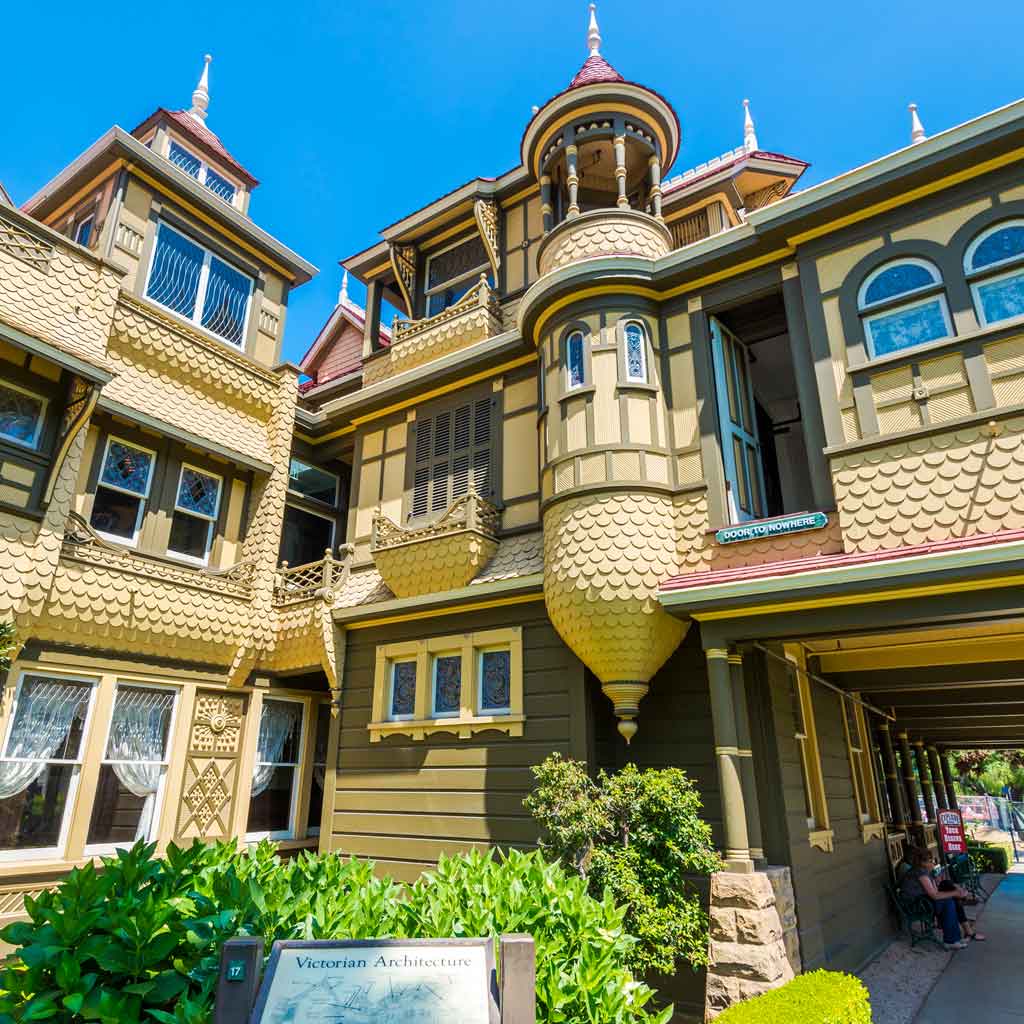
(916, 128)
(749, 135)
(343, 294)
(593, 33)
(201, 96)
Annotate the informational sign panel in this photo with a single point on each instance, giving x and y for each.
(394, 981)
(777, 527)
(951, 833)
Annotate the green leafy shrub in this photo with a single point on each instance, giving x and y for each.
(990, 857)
(139, 941)
(8, 641)
(820, 997)
(637, 835)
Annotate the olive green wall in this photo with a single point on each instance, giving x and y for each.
(404, 802)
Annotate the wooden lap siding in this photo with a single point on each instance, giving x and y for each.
(841, 907)
(403, 802)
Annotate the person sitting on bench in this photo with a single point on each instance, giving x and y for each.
(947, 903)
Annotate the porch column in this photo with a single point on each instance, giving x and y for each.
(727, 755)
(620, 171)
(938, 785)
(908, 779)
(371, 325)
(897, 798)
(655, 166)
(947, 778)
(546, 210)
(746, 754)
(926, 780)
(572, 180)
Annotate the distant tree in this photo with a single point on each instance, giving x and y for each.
(990, 771)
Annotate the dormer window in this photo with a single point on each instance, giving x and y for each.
(189, 280)
(202, 172)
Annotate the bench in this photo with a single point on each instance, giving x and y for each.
(963, 872)
(917, 915)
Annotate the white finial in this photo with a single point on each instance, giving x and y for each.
(593, 33)
(201, 96)
(916, 128)
(749, 135)
(534, 109)
(343, 294)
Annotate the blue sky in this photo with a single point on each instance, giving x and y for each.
(353, 113)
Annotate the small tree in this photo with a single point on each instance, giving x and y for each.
(639, 836)
(8, 641)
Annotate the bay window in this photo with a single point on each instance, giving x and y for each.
(131, 780)
(275, 773)
(189, 280)
(42, 758)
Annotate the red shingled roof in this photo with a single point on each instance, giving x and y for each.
(595, 69)
(795, 566)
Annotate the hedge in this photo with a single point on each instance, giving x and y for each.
(991, 857)
(820, 997)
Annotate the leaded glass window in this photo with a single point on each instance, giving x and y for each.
(892, 324)
(575, 361)
(191, 281)
(452, 272)
(636, 354)
(495, 681)
(447, 698)
(121, 491)
(21, 415)
(195, 511)
(202, 172)
(995, 263)
(403, 690)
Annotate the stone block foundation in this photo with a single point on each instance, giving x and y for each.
(754, 943)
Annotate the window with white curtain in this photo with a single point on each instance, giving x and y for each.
(316, 796)
(42, 757)
(128, 795)
(275, 773)
(189, 280)
(994, 265)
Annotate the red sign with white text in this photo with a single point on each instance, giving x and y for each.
(951, 832)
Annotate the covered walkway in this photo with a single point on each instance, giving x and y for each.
(984, 984)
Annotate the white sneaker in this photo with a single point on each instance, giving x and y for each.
(962, 944)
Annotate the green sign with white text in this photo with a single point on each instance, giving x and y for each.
(779, 526)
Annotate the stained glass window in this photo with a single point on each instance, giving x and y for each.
(198, 492)
(636, 354)
(495, 681)
(447, 685)
(403, 689)
(575, 363)
(907, 326)
(127, 468)
(896, 280)
(21, 415)
(1000, 245)
(1002, 296)
(200, 287)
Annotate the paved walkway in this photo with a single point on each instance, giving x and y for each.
(984, 984)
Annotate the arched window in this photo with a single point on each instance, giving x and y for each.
(575, 361)
(994, 264)
(635, 352)
(902, 305)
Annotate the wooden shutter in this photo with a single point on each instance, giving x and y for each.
(451, 449)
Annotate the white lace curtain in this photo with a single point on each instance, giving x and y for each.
(279, 720)
(42, 722)
(138, 736)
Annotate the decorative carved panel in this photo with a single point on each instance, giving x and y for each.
(212, 766)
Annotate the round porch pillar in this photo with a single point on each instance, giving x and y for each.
(947, 778)
(897, 797)
(926, 781)
(938, 783)
(727, 756)
(909, 783)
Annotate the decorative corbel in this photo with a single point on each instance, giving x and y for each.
(82, 396)
(486, 213)
(403, 262)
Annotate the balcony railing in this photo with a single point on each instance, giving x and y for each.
(314, 579)
(697, 226)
